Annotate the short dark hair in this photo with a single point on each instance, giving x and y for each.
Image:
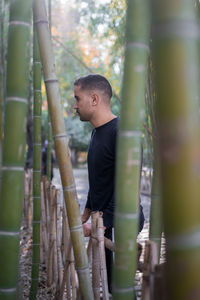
(95, 81)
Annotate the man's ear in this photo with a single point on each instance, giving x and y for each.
(95, 99)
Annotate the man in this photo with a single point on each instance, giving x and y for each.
(93, 94)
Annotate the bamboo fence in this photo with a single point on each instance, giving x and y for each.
(56, 252)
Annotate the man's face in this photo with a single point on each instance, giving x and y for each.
(83, 103)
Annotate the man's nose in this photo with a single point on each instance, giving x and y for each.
(75, 105)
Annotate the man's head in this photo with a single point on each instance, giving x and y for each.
(92, 94)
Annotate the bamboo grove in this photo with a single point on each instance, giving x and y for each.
(161, 71)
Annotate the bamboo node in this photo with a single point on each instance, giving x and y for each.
(123, 290)
(41, 21)
(138, 45)
(21, 23)
(51, 80)
(10, 290)
(82, 269)
(17, 99)
(12, 168)
(69, 188)
(130, 133)
(60, 136)
(133, 216)
(9, 233)
(76, 228)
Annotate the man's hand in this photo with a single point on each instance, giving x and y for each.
(87, 229)
(86, 215)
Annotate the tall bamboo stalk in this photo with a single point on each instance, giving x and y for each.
(49, 146)
(156, 226)
(36, 167)
(2, 69)
(128, 149)
(14, 145)
(176, 62)
(62, 150)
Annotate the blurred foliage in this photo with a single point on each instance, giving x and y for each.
(78, 133)
(84, 50)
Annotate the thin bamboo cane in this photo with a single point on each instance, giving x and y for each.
(42, 246)
(67, 237)
(65, 276)
(67, 250)
(89, 250)
(55, 259)
(44, 235)
(51, 238)
(176, 62)
(100, 236)
(62, 151)
(128, 148)
(156, 228)
(1, 78)
(25, 205)
(55, 253)
(95, 257)
(73, 277)
(12, 184)
(49, 146)
(48, 204)
(30, 202)
(59, 238)
(68, 284)
(36, 167)
(156, 225)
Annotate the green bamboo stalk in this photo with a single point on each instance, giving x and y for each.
(176, 63)
(14, 145)
(155, 228)
(2, 19)
(128, 148)
(36, 166)
(49, 149)
(49, 146)
(156, 224)
(62, 150)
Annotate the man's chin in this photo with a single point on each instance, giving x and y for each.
(82, 119)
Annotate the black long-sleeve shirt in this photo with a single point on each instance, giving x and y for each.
(101, 170)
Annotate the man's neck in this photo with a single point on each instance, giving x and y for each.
(103, 119)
